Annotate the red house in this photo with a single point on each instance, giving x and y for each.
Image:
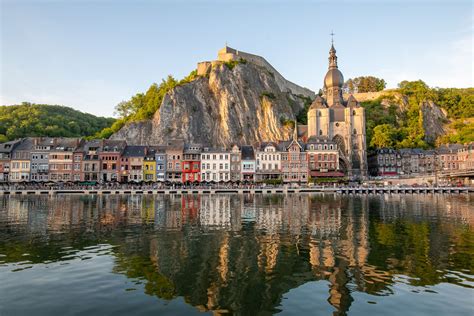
(191, 163)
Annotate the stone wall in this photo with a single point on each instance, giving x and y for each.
(227, 54)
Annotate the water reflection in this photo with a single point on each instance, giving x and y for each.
(242, 253)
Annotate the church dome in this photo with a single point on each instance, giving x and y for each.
(333, 78)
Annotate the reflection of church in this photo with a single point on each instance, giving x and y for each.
(331, 117)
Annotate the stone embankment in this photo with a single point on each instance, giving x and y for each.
(280, 190)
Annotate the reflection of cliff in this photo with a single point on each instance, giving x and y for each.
(244, 252)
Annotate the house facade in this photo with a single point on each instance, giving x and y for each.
(268, 162)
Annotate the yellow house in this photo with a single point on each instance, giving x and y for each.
(149, 167)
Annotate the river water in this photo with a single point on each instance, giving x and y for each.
(321, 254)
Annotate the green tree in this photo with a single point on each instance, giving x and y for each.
(384, 136)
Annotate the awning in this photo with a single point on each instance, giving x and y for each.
(388, 173)
(326, 174)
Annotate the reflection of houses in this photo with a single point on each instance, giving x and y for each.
(249, 250)
(215, 211)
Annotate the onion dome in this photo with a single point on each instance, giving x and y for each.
(334, 77)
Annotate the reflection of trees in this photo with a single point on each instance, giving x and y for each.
(244, 252)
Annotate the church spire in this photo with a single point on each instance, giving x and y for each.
(332, 57)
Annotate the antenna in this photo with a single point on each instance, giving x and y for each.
(332, 37)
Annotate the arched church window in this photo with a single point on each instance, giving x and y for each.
(320, 132)
(355, 131)
(353, 112)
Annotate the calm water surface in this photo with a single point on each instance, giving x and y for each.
(238, 254)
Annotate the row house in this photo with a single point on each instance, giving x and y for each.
(386, 162)
(90, 167)
(191, 164)
(131, 163)
(268, 163)
(40, 158)
(174, 154)
(149, 165)
(110, 157)
(294, 161)
(323, 158)
(235, 163)
(215, 165)
(466, 157)
(407, 161)
(21, 161)
(248, 165)
(61, 159)
(6, 150)
(160, 159)
(448, 157)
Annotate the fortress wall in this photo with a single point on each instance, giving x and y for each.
(368, 96)
(284, 84)
(228, 54)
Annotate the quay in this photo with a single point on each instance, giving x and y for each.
(281, 190)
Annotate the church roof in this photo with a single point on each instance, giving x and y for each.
(333, 78)
(318, 103)
(352, 102)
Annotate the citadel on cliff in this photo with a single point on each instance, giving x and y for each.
(330, 117)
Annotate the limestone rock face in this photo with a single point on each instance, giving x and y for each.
(434, 120)
(239, 105)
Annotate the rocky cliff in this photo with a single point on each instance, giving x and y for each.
(234, 102)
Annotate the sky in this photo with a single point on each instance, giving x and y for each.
(91, 55)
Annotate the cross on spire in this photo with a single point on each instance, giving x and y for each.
(332, 37)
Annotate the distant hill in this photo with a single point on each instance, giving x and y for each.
(29, 119)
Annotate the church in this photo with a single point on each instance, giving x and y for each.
(342, 121)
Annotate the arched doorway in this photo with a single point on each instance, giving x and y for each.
(339, 140)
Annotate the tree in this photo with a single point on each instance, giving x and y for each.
(364, 84)
(384, 136)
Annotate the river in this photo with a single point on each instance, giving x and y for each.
(295, 254)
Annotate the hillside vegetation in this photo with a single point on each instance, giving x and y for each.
(142, 106)
(402, 126)
(29, 119)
